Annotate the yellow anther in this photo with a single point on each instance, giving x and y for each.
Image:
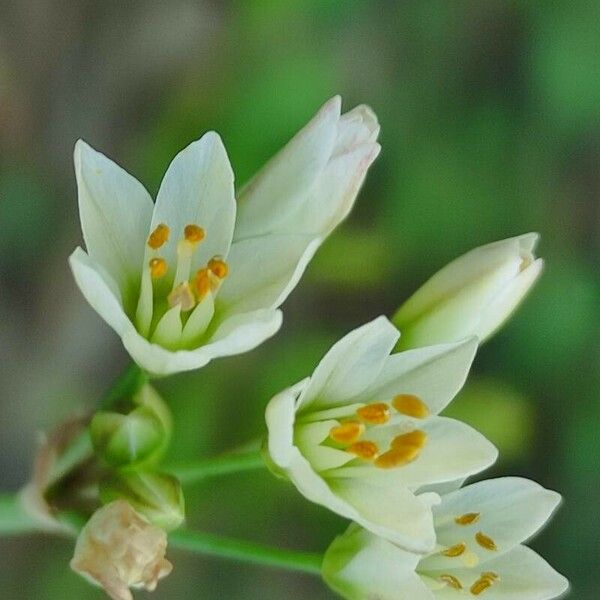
(411, 405)
(452, 581)
(485, 541)
(159, 236)
(374, 414)
(193, 234)
(158, 267)
(365, 450)
(415, 438)
(397, 457)
(491, 576)
(480, 586)
(347, 433)
(467, 519)
(183, 296)
(218, 267)
(456, 550)
(202, 283)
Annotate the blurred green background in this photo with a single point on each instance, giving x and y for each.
(490, 115)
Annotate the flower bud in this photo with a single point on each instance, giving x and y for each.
(137, 435)
(156, 496)
(473, 295)
(118, 549)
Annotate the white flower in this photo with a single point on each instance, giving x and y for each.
(181, 281)
(119, 549)
(362, 433)
(479, 528)
(473, 295)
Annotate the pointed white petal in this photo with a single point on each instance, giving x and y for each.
(350, 366)
(263, 271)
(508, 300)
(453, 450)
(511, 510)
(523, 575)
(359, 565)
(115, 212)
(390, 511)
(266, 202)
(198, 189)
(235, 335)
(434, 373)
(99, 290)
(311, 185)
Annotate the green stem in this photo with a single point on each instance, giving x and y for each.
(213, 467)
(249, 552)
(13, 518)
(14, 521)
(127, 384)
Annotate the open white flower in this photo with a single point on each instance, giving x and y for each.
(479, 528)
(473, 295)
(362, 434)
(118, 549)
(181, 281)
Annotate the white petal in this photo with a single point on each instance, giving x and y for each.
(335, 191)
(511, 510)
(359, 565)
(266, 202)
(391, 511)
(198, 189)
(99, 290)
(264, 270)
(524, 575)
(508, 300)
(351, 365)
(433, 373)
(280, 416)
(236, 335)
(115, 212)
(311, 185)
(453, 451)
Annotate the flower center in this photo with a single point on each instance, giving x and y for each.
(403, 448)
(468, 558)
(178, 316)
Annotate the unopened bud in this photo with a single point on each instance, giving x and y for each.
(158, 497)
(473, 295)
(136, 435)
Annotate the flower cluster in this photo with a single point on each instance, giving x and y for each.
(201, 273)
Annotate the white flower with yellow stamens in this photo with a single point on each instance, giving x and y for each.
(183, 282)
(362, 434)
(479, 529)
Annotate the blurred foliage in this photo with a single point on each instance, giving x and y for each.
(490, 116)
